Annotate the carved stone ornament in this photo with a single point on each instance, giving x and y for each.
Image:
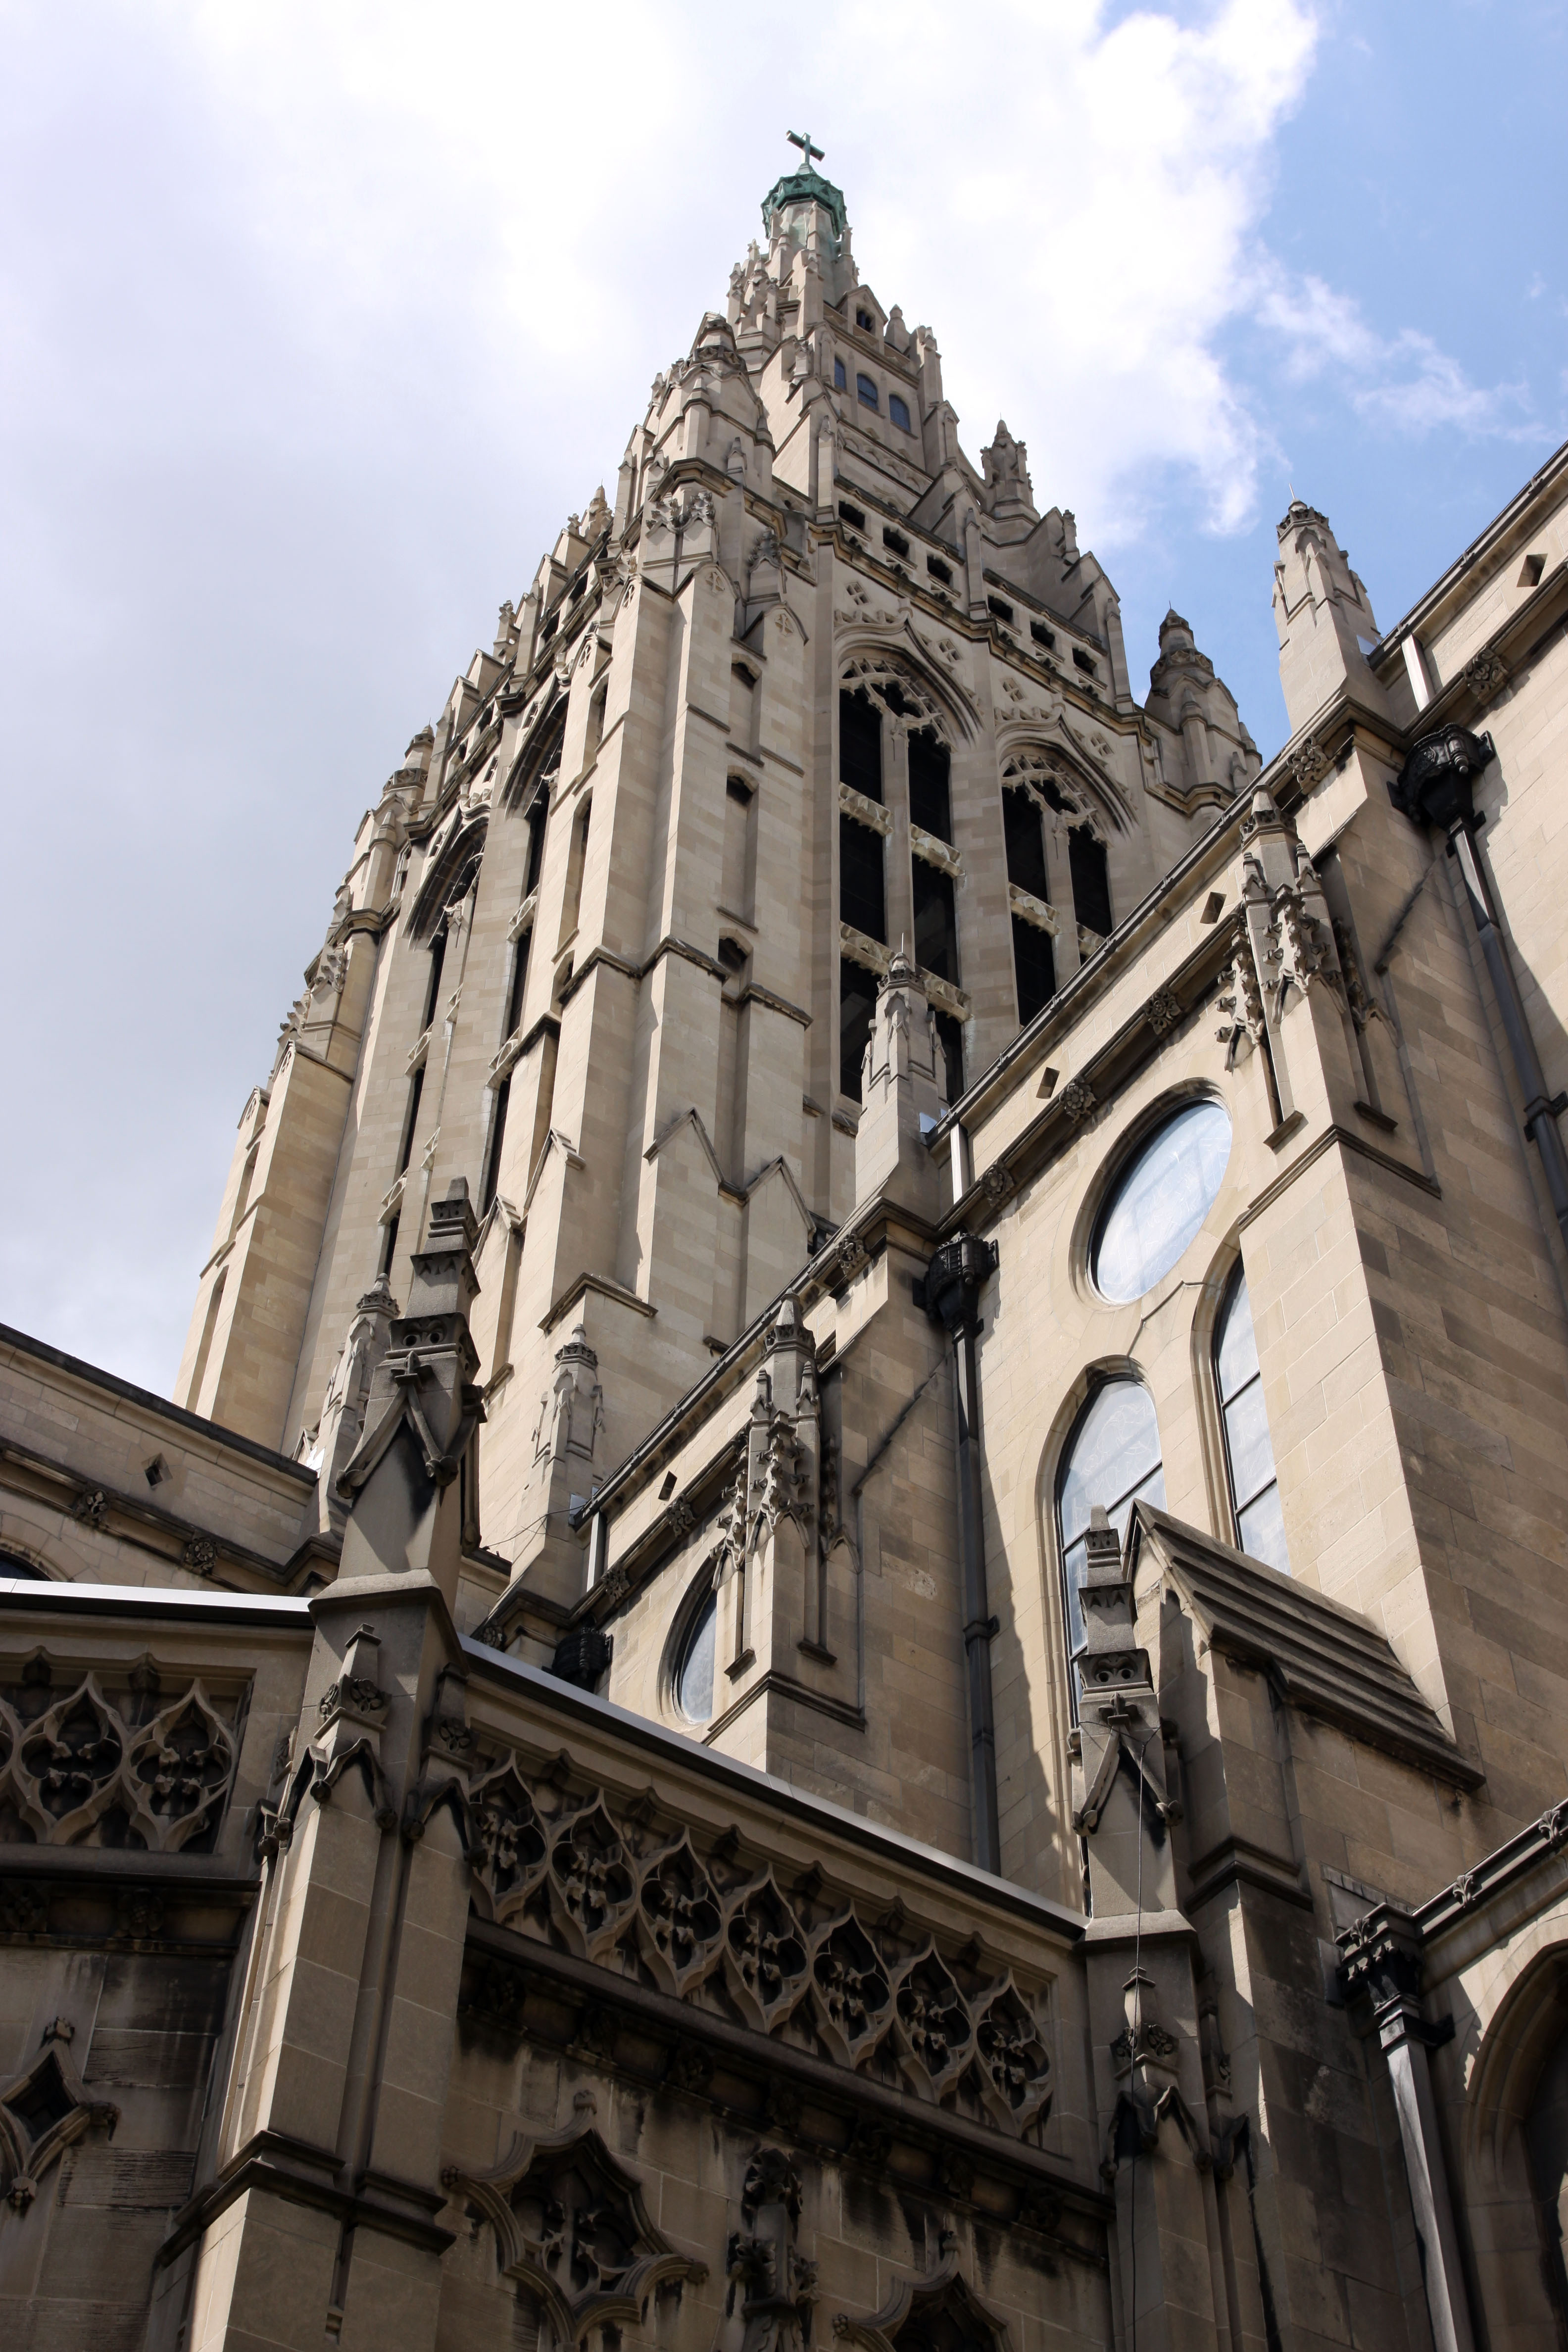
(1241, 1002)
(200, 1554)
(91, 1508)
(1163, 1011)
(771, 2285)
(88, 1769)
(997, 1182)
(42, 2111)
(848, 1258)
(1485, 674)
(613, 1888)
(1306, 766)
(572, 2231)
(939, 2313)
(1078, 1099)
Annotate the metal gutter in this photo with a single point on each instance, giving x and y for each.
(49, 1597)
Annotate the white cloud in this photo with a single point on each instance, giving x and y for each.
(1072, 202)
(321, 314)
(1405, 379)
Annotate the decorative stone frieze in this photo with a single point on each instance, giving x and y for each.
(725, 1938)
(85, 1768)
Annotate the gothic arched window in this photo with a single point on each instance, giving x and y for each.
(898, 411)
(694, 1672)
(1160, 1201)
(866, 392)
(1248, 1452)
(1112, 1458)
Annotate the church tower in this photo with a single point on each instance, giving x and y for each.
(817, 691)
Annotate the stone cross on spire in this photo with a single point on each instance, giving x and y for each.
(801, 139)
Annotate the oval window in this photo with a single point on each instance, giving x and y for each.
(1160, 1202)
(694, 1674)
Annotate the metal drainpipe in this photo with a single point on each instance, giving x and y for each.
(954, 1280)
(1437, 787)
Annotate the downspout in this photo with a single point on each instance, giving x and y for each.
(954, 1280)
(1437, 787)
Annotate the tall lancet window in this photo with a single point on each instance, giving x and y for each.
(1248, 1452)
(1113, 1458)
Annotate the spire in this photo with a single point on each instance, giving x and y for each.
(797, 192)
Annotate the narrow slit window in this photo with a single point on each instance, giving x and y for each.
(950, 1032)
(1034, 967)
(840, 376)
(1090, 871)
(856, 1009)
(936, 921)
(493, 1152)
(860, 745)
(410, 1119)
(1024, 830)
(519, 984)
(931, 776)
(538, 815)
(862, 898)
(433, 986)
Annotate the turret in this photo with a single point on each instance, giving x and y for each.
(1323, 615)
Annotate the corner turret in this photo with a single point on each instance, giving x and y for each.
(1323, 614)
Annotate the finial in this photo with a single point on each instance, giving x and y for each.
(801, 139)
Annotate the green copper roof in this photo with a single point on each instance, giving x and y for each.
(803, 188)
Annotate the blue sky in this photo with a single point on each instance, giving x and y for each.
(322, 316)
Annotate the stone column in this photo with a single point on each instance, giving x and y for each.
(1381, 1961)
(1143, 1999)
